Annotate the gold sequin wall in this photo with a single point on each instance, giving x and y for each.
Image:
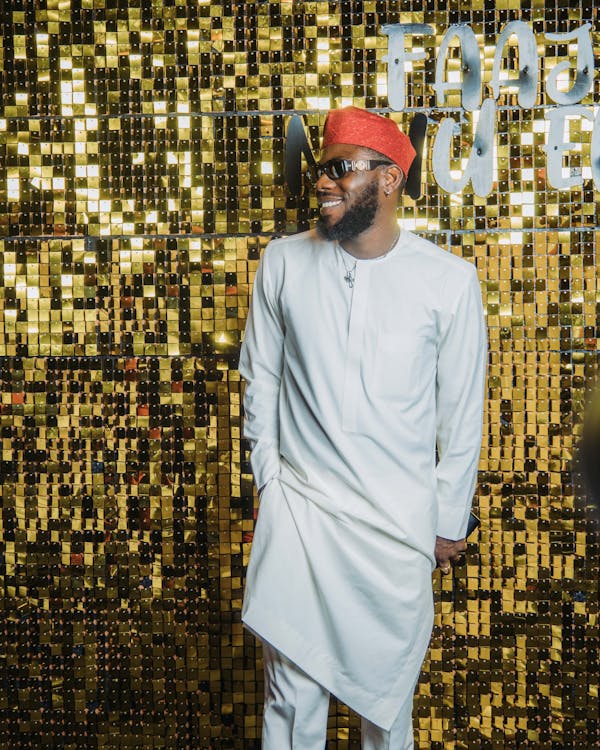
(141, 174)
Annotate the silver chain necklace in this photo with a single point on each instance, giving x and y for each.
(350, 275)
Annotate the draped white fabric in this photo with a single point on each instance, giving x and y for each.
(349, 391)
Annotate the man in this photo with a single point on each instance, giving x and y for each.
(364, 349)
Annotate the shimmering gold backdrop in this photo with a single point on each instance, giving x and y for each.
(141, 157)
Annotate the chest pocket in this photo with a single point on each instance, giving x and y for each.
(403, 363)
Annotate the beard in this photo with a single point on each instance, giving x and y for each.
(359, 216)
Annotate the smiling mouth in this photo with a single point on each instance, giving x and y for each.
(330, 204)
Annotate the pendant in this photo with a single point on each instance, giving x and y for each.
(349, 278)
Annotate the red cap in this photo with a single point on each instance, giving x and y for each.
(358, 127)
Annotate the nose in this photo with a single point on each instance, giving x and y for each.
(325, 183)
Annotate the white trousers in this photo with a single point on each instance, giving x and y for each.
(296, 709)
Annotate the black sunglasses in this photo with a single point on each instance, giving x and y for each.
(335, 169)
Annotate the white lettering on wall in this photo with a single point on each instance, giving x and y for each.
(561, 177)
(470, 83)
(584, 75)
(528, 73)
(480, 166)
(567, 84)
(398, 56)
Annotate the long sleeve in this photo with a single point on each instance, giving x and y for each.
(461, 372)
(261, 362)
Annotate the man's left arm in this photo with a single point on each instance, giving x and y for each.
(462, 358)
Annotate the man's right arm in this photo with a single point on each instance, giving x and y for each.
(261, 365)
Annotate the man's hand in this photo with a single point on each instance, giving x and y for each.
(447, 551)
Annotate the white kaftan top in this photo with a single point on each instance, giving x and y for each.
(349, 391)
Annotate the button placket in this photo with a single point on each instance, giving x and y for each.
(354, 348)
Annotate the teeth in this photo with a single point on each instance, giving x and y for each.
(328, 204)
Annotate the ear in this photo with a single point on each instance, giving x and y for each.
(393, 179)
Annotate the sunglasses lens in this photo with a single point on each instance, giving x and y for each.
(337, 168)
(334, 169)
